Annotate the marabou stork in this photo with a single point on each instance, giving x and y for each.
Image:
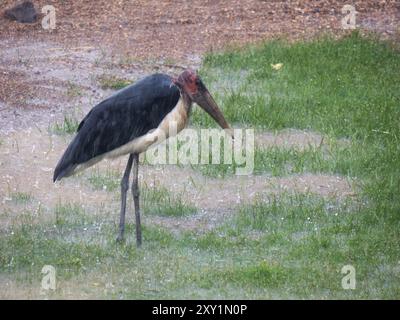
(129, 122)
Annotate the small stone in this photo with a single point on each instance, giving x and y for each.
(24, 12)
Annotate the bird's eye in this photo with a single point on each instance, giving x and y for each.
(201, 85)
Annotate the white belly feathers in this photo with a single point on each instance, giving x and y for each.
(177, 118)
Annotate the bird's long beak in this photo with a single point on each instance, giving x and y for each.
(204, 99)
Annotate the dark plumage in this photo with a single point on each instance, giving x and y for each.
(126, 115)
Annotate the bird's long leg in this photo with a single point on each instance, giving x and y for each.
(135, 193)
(124, 190)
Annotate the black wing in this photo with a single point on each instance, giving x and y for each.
(126, 115)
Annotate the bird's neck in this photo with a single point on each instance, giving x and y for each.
(187, 103)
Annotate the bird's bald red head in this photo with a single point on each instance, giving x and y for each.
(188, 80)
(190, 83)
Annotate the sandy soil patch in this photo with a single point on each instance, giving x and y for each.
(28, 158)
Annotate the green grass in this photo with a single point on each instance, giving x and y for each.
(306, 240)
(112, 82)
(68, 126)
(287, 246)
(284, 246)
(324, 235)
(21, 197)
(258, 275)
(71, 214)
(347, 159)
(160, 201)
(109, 181)
(154, 200)
(325, 85)
(343, 89)
(333, 159)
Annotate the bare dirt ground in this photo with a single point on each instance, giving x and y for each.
(46, 74)
(26, 166)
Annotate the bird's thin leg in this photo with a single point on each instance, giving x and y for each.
(124, 190)
(135, 193)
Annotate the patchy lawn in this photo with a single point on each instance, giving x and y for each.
(284, 232)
